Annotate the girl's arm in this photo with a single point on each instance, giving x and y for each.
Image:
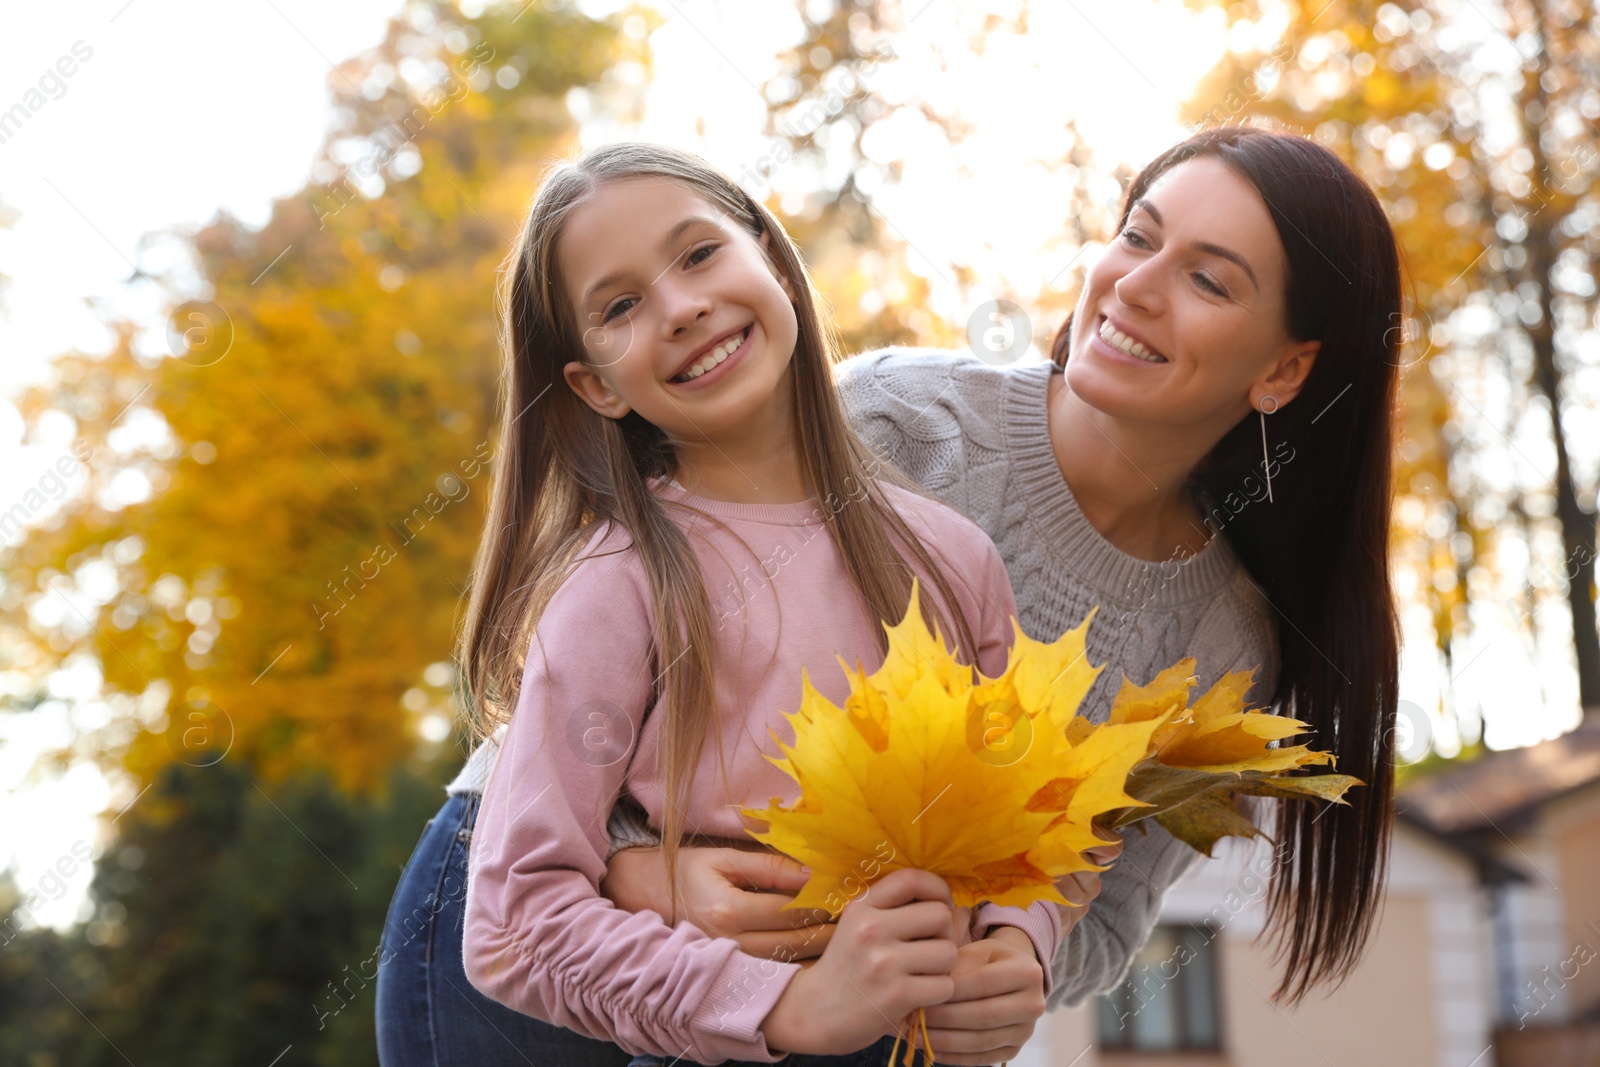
(636, 881)
(539, 938)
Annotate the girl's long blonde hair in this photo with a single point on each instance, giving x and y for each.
(563, 467)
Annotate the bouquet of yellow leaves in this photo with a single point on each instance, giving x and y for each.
(996, 784)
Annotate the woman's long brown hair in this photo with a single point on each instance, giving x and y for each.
(1320, 550)
(563, 469)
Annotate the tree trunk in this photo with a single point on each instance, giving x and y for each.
(1577, 525)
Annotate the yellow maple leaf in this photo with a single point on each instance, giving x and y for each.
(1204, 755)
(1166, 697)
(930, 765)
(1217, 732)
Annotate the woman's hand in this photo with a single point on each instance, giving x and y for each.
(1084, 886)
(726, 892)
(894, 953)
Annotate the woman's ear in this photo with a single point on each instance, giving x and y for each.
(777, 270)
(593, 390)
(1284, 379)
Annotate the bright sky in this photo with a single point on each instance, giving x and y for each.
(182, 108)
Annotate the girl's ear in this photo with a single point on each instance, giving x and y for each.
(777, 271)
(593, 390)
(1283, 381)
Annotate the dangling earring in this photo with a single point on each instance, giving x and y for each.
(1266, 460)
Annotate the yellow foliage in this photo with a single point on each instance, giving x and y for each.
(1204, 754)
(1217, 733)
(300, 561)
(996, 784)
(933, 767)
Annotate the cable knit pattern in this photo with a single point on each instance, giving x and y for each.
(977, 437)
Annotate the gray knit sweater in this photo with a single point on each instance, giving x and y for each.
(976, 437)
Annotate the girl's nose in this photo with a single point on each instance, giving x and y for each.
(682, 307)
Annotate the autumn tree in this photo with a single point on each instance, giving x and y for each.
(1476, 126)
(284, 493)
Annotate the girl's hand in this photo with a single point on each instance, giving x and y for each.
(893, 954)
(726, 892)
(999, 997)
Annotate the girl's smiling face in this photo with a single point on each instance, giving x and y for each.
(1183, 319)
(683, 316)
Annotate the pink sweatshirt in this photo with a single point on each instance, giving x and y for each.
(539, 936)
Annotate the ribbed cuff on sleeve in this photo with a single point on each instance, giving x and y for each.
(1040, 921)
(727, 1024)
(629, 827)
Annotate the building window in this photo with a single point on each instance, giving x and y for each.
(1169, 1002)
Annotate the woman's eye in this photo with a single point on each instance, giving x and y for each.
(618, 308)
(1135, 238)
(700, 255)
(1209, 286)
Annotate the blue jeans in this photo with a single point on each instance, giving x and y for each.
(429, 1015)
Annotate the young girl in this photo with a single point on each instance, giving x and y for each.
(682, 522)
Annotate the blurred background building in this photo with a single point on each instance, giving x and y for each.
(1488, 951)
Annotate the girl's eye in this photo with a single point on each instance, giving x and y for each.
(618, 308)
(1135, 238)
(1208, 285)
(700, 255)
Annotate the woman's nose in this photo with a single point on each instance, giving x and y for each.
(1143, 287)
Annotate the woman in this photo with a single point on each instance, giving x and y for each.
(1238, 329)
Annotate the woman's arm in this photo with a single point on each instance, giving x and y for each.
(724, 891)
(1236, 635)
(629, 827)
(1097, 955)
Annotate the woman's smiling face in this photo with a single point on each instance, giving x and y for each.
(683, 316)
(1183, 319)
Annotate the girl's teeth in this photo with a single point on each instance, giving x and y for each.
(715, 356)
(1122, 342)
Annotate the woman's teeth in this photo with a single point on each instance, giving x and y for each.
(1123, 343)
(713, 357)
